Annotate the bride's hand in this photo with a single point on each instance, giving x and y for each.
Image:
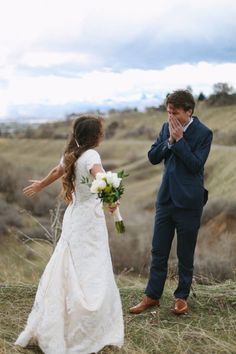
(33, 188)
(112, 207)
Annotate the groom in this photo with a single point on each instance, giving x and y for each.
(183, 144)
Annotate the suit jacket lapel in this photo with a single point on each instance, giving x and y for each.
(191, 129)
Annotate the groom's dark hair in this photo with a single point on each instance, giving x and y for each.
(181, 99)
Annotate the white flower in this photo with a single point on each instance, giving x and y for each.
(113, 179)
(104, 178)
(109, 177)
(98, 186)
(102, 184)
(116, 182)
(100, 175)
(94, 187)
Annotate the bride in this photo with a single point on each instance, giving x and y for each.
(77, 308)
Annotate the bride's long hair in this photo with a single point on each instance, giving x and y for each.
(87, 133)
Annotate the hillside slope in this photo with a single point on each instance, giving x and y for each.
(133, 133)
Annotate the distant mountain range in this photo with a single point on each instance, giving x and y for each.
(44, 112)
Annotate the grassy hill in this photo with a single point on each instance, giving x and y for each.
(209, 328)
(139, 125)
(129, 137)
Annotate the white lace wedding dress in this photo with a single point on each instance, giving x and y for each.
(77, 308)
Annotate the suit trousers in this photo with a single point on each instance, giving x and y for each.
(186, 222)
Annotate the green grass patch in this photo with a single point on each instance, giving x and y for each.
(208, 328)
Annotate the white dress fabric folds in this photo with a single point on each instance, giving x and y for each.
(77, 308)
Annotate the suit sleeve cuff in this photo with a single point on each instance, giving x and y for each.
(169, 145)
(165, 146)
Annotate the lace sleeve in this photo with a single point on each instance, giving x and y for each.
(92, 159)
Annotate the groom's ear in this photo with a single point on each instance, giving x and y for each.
(190, 112)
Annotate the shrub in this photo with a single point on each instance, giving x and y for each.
(111, 129)
(7, 180)
(9, 217)
(223, 95)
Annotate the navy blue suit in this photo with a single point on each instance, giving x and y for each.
(179, 206)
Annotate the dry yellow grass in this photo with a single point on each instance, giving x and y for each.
(40, 155)
(209, 328)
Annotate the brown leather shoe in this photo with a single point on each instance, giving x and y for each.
(181, 307)
(144, 305)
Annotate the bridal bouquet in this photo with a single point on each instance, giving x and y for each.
(109, 188)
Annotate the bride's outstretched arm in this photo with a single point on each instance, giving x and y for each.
(37, 185)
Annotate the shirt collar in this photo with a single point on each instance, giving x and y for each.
(185, 127)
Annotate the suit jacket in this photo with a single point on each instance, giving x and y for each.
(183, 176)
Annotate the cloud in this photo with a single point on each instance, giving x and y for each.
(126, 34)
(59, 52)
(49, 59)
(49, 95)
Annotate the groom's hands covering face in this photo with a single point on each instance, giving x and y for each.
(175, 129)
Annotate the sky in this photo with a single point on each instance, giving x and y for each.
(64, 56)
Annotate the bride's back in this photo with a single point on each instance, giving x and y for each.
(83, 166)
